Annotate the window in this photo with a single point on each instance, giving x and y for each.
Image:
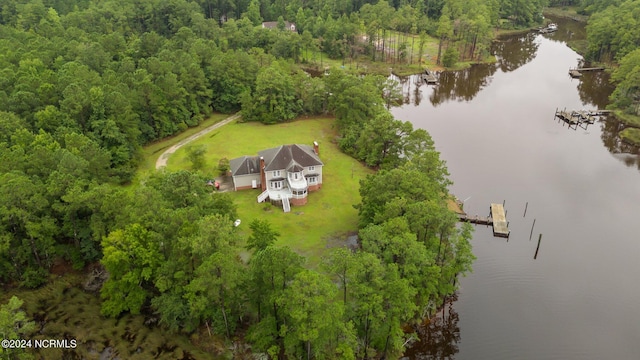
(276, 185)
(276, 173)
(313, 180)
(312, 168)
(296, 176)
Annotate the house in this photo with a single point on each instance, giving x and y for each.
(285, 174)
(274, 25)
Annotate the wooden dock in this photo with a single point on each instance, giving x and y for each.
(429, 77)
(480, 220)
(600, 68)
(576, 73)
(580, 118)
(499, 218)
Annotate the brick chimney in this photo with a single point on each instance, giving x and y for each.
(316, 148)
(263, 177)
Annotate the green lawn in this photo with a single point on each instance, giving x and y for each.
(152, 152)
(568, 12)
(329, 214)
(363, 64)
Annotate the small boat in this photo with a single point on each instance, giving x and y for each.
(549, 29)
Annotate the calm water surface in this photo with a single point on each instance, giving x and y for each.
(495, 127)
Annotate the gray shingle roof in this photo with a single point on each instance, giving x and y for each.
(274, 25)
(245, 165)
(294, 167)
(286, 157)
(281, 157)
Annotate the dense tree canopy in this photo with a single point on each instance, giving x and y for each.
(614, 35)
(85, 84)
(614, 32)
(14, 326)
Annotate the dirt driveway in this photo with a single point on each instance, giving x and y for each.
(162, 160)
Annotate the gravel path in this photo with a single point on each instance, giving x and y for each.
(162, 160)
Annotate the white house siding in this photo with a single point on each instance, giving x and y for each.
(269, 175)
(245, 181)
(318, 170)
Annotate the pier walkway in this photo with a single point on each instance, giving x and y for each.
(497, 220)
(576, 73)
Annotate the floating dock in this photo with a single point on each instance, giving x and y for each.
(499, 219)
(580, 117)
(429, 77)
(576, 73)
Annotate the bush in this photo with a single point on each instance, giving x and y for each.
(450, 57)
(223, 166)
(195, 154)
(34, 277)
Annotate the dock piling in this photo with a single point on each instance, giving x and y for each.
(537, 247)
(534, 224)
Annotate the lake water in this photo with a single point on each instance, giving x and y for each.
(494, 126)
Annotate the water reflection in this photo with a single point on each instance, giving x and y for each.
(569, 31)
(528, 307)
(511, 52)
(514, 51)
(462, 85)
(594, 88)
(439, 338)
(627, 154)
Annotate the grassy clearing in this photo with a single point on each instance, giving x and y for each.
(63, 310)
(364, 65)
(329, 214)
(413, 63)
(631, 136)
(567, 12)
(361, 65)
(152, 152)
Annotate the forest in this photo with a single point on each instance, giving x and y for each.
(614, 36)
(86, 84)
